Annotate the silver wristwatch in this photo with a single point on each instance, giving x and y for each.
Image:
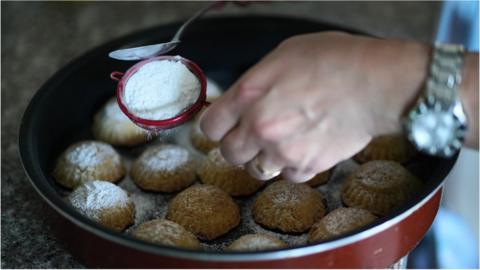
(437, 124)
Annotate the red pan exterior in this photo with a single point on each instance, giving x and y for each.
(379, 250)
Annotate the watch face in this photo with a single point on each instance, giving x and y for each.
(436, 132)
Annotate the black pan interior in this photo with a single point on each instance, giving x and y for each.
(61, 111)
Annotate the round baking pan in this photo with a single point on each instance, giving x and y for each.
(62, 110)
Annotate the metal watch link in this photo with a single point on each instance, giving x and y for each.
(437, 124)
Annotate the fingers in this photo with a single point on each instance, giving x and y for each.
(316, 150)
(269, 122)
(238, 148)
(225, 113)
(264, 167)
(297, 176)
(292, 159)
(256, 131)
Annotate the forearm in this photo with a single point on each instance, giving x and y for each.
(469, 96)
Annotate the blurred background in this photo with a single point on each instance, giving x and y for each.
(39, 38)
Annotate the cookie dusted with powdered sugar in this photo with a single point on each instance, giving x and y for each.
(87, 160)
(104, 203)
(164, 168)
(111, 125)
(214, 90)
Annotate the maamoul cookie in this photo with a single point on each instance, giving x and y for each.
(111, 125)
(394, 147)
(235, 180)
(205, 210)
(199, 140)
(288, 207)
(213, 90)
(379, 186)
(164, 168)
(256, 242)
(166, 232)
(339, 221)
(319, 179)
(87, 160)
(104, 203)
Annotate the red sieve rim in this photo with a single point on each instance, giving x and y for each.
(158, 125)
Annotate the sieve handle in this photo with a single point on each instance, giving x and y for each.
(116, 75)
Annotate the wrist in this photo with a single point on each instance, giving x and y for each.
(398, 70)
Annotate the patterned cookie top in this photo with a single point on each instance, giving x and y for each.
(94, 196)
(205, 210)
(340, 221)
(282, 192)
(394, 147)
(165, 157)
(289, 207)
(90, 153)
(382, 174)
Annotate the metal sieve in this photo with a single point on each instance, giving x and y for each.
(160, 125)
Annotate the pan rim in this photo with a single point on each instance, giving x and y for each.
(28, 164)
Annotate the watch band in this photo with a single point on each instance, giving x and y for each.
(437, 124)
(445, 74)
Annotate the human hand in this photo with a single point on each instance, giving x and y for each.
(314, 101)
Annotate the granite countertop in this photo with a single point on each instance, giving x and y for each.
(40, 38)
